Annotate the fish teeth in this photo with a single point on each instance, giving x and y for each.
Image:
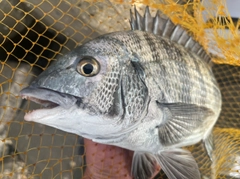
(30, 111)
(24, 97)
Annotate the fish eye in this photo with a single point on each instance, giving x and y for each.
(88, 66)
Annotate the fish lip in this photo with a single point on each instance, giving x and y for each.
(45, 103)
(49, 98)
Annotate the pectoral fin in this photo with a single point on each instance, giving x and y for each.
(180, 120)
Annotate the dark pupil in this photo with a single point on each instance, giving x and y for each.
(87, 69)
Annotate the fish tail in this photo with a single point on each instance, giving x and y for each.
(176, 163)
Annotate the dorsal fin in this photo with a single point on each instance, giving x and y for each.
(162, 25)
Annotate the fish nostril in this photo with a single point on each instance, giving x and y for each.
(79, 102)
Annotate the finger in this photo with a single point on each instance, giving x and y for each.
(105, 161)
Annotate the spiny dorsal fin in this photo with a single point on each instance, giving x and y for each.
(162, 25)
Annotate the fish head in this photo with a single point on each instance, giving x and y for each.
(85, 87)
(78, 73)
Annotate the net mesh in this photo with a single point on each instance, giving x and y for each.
(35, 32)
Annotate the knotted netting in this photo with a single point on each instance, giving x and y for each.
(33, 33)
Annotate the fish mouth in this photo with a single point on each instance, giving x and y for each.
(44, 103)
(49, 99)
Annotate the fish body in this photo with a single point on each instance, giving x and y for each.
(150, 90)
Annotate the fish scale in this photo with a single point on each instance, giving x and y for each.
(150, 90)
(184, 72)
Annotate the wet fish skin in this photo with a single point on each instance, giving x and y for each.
(151, 95)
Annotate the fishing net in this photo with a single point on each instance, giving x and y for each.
(33, 33)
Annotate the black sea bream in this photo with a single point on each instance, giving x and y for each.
(150, 90)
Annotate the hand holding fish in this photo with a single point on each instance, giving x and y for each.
(105, 161)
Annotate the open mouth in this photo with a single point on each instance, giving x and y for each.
(44, 103)
(49, 98)
(52, 102)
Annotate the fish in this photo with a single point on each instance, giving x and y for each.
(150, 90)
